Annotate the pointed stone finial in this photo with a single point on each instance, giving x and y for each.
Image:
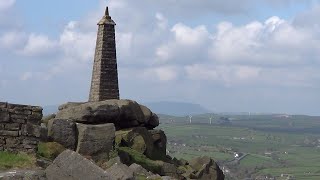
(107, 11)
(106, 19)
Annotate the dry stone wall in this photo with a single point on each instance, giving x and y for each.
(20, 127)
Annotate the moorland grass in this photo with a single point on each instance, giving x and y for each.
(141, 159)
(50, 150)
(11, 160)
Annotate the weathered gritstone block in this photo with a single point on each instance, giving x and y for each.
(20, 128)
(95, 139)
(70, 165)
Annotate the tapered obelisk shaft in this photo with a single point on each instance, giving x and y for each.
(104, 84)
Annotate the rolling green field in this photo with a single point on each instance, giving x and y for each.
(274, 145)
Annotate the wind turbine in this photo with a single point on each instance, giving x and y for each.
(211, 117)
(190, 119)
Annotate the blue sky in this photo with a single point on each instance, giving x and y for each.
(257, 56)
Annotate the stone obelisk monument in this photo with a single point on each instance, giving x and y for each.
(104, 84)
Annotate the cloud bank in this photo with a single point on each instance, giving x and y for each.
(162, 56)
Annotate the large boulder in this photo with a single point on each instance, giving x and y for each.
(90, 112)
(23, 175)
(159, 140)
(123, 113)
(110, 163)
(70, 165)
(130, 110)
(206, 168)
(130, 156)
(146, 112)
(151, 143)
(139, 170)
(47, 118)
(136, 138)
(95, 140)
(168, 169)
(120, 171)
(150, 119)
(63, 131)
(153, 121)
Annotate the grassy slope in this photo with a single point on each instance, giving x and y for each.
(9, 161)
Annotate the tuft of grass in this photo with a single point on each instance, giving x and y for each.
(113, 153)
(141, 159)
(50, 150)
(11, 160)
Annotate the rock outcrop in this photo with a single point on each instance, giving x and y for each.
(119, 138)
(63, 131)
(151, 143)
(89, 128)
(23, 175)
(120, 171)
(205, 168)
(122, 113)
(95, 140)
(70, 165)
(139, 170)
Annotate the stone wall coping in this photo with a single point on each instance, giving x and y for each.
(6, 105)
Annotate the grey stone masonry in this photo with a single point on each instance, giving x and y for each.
(104, 84)
(20, 128)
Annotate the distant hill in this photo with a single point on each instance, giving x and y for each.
(176, 108)
(170, 108)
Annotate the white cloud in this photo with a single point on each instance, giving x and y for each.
(274, 42)
(163, 53)
(228, 75)
(159, 74)
(235, 43)
(161, 46)
(185, 45)
(162, 21)
(233, 55)
(117, 4)
(296, 77)
(185, 35)
(188, 8)
(237, 52)
(125, 43)
(77, 45)
(12, 40)
(166, 73)
(75, 51)
(38, 45)
(5, 4)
